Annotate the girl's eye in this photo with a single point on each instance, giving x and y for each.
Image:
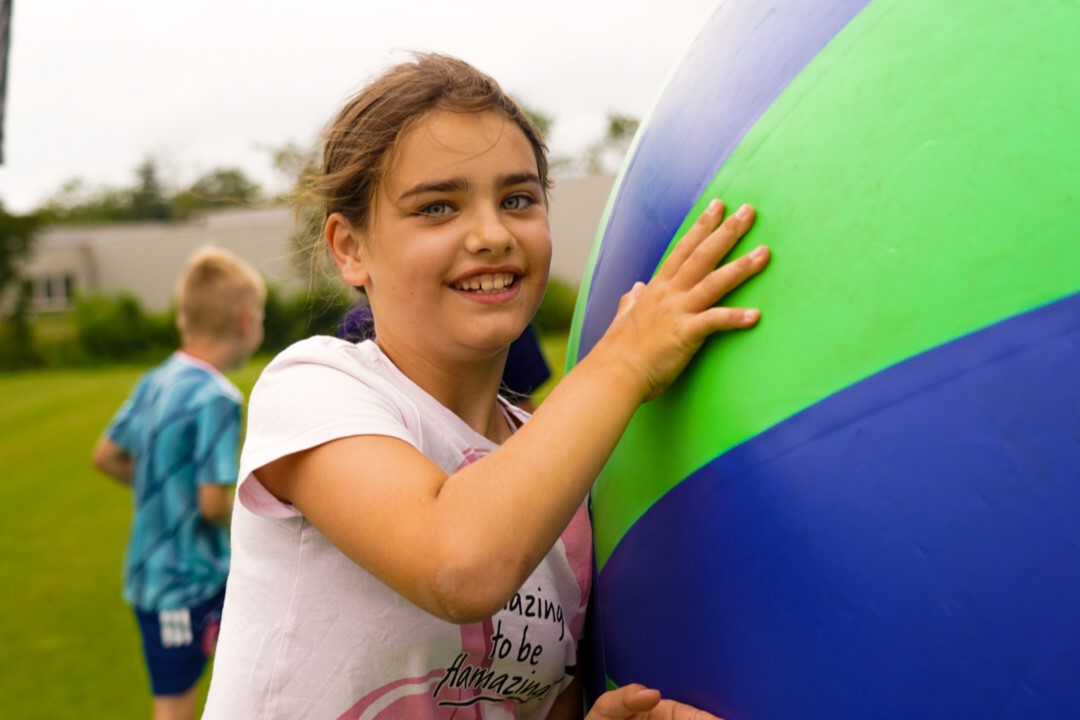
(517, 202)
(437, 209)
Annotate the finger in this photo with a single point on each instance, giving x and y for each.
(705, 224)
(723, 318)
(625, 702)
(727, 277)
(627, 301)
(677, 711)
(708, 254)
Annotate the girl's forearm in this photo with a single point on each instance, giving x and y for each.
(525, 494)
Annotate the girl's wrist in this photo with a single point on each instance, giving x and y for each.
(627, 378)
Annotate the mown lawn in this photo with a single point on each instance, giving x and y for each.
(69, 646)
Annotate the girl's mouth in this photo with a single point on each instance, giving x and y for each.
(493, 283)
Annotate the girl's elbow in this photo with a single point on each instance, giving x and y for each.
(472, 592)
(465, 606)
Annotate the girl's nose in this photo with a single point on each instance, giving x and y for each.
(489, 234)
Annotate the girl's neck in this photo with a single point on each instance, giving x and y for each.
(467, 387)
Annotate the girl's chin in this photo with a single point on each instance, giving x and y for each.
(490, 340)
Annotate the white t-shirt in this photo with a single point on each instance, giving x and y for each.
(307, 633)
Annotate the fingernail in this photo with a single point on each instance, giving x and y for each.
(750, 315)
(714, 205)
(744, 211)
(759, 252)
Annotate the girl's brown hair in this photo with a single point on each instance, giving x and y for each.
(361, 138)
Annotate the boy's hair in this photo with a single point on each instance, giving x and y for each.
(360, 140)
(215, 287)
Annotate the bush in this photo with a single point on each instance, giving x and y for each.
(57, 341)
(17, 347)
(15, 352)
(115, 329)
(556, 311)
(300, 316)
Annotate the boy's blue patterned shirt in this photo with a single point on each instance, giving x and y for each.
(181, 425)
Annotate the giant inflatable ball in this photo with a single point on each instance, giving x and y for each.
(868, 506)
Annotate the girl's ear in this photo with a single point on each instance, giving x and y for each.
(344, 242)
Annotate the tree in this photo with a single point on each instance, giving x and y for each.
(602, 156)
(16, 244)
(147, 201)
(298, 167)
(607, 153)
(75, 202)
(293, 162)
(226, 185)
(540, 119)
(219, 187)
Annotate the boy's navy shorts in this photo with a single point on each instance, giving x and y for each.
(177, 643)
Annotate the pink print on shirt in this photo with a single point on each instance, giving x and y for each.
(471, 456)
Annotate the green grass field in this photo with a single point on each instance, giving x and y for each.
(70, 647)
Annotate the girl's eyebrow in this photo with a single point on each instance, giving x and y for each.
(517, 179)
(461, 183)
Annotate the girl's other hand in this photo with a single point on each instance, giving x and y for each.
(637, 702)
(660, 325)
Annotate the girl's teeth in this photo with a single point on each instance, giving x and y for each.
(496, 283)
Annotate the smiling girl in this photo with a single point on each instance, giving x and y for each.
(405, 544)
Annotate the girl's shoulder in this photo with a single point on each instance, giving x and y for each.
(327, 350)
(329, 359)
(333, 368)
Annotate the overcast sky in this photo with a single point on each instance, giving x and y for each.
(96, 86)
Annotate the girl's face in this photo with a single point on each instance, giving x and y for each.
(455, 258)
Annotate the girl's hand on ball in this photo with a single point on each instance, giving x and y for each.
(660, 325)
(636, 702)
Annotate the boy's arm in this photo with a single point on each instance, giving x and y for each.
(216, 502)
(113, 460)
(217, 432)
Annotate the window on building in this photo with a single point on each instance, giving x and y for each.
(54, 292)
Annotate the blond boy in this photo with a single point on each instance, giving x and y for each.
(174, 441)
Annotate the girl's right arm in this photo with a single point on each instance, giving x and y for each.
(459, 546)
